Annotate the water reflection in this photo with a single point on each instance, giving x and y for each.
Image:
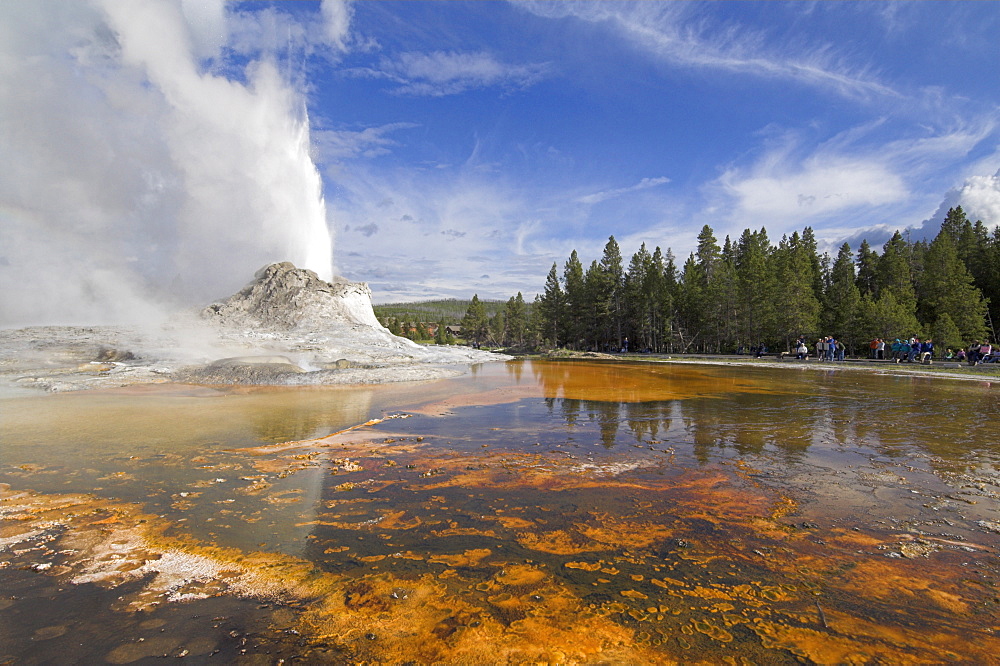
(532, 511)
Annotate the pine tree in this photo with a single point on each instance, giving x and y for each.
(725, 290)
(576, 301)
(797, 311)
(475, 323)
(441, 334)
(946, 335)
(947, 288)
(716, 283)
(495, 328)
(535, 335)
(811, 248)
(954, 225)
(843, 301)
(886, 318)
(611, 265)
(667, 302)
(754, 288)
(638, 299)
(552, 310)
(393, 325)
(893, 273)
(991, 286)
(598, 291)
(691, 311)
(867, 267)
(708, 251)
(515, 320)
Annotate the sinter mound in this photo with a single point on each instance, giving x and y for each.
(285, 298)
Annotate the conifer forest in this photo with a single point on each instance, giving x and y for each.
(742, 294)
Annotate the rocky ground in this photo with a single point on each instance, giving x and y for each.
(287, 327)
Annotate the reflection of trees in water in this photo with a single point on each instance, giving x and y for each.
(301, 415)
(644, 419)
(746, 424)
(552, 377)
(749, 424)
(570, 410)
(515, 369)
(607, 420)
(784, 413)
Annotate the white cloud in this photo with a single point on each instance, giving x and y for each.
(854, 180)
(441, 73)
(337, 22)
(673, 33)
(437, 231)
(979, 197)
(604, 195)
(273, 32)
(815, 189)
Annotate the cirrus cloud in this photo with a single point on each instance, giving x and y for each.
(441, 73)
(604, 195)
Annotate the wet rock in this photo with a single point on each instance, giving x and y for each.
(94, 367)
(244, 370)
(117, 355)
(989, 525)
(236, 361)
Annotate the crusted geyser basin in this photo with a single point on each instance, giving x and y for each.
(286, 327)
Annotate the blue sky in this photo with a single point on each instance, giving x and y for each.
(467, 146)
(166, 149)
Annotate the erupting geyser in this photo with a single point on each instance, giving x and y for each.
(143, 164)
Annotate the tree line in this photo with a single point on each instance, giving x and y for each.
(751, 292)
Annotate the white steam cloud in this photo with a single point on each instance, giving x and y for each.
(133, 172)
(979, 197)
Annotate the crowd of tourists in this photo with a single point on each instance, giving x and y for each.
(979, 353)
(827, 349)
(906, 350)
(900, 350)
(914, 349)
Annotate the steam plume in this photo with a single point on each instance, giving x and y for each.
(133, 173)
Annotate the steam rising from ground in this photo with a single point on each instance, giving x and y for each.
(134, 174)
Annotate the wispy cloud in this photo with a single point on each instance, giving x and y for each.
(437, 231)
(675, 34)
(332, 145)
(598, 197)
(274, 32)
(441, 73)
(336, 23)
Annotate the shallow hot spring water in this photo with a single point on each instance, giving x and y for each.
(566, 512)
